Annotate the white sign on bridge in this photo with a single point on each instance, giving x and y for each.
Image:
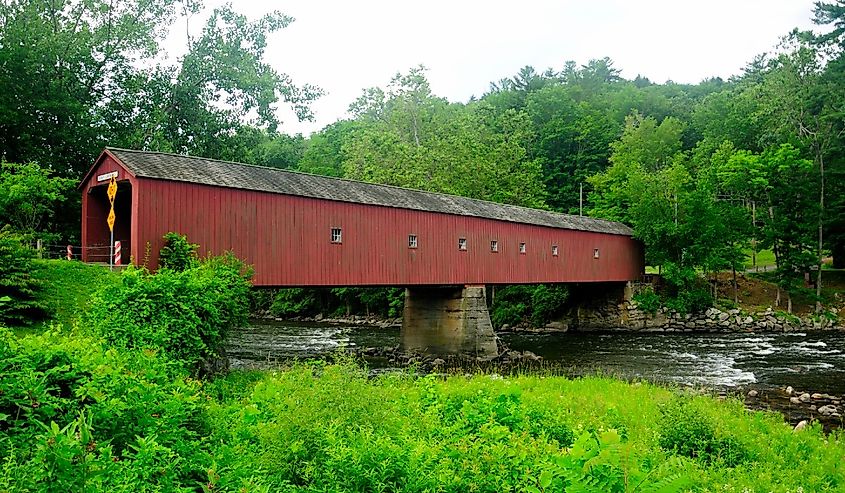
(107, 176)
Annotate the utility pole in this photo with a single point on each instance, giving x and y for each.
(581, 200)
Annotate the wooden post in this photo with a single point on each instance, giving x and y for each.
(39, 247)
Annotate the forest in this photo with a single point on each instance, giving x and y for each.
(707, 174)
(117, 381)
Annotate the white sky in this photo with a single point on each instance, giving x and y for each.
(346, 46)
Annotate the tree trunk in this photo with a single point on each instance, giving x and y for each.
(736, 297)
(821, 230)
(754, 236)
(789, 302)
(777, 297)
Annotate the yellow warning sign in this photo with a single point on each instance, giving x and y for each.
(112, 190)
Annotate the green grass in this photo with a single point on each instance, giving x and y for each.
(765, 258)
(331, 428)
(334, 428)
(67, 288)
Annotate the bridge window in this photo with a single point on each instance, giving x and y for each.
(554, 250)
(596, 253)
(412, 241)
(494, 246)
(337, 235)
(522, 248)
(462, 244)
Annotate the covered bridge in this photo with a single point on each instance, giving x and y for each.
(298, 229)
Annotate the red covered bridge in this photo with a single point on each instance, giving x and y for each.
(298, 229)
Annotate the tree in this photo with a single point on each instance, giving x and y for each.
(30, 199)
(407, 137)
(18, 301)
(825, 13)
(79, 52)
(323, 154)
(221, 91)
(807, 107)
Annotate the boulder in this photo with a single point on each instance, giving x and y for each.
(801, 425)
(805, 397)
(827, 410)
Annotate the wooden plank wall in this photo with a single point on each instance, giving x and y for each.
(288, 241)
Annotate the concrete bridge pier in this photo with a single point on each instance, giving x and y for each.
(447, 320)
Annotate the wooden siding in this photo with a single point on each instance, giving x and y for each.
(288, 241)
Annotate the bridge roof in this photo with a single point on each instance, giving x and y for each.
(227, 174)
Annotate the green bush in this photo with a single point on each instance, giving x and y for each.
(75, 416)
(290, 302)
(185, 314)
(647, 300)
(686, 291)
(537, 304)
(19, 304)
(177, 253)
(687, 431)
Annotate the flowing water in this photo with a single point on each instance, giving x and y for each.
(812, 361)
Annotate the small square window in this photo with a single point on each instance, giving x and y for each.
(337, 235)
(494, 246)
(596, 253)
(554, 250)
(522, 248)
(462, 244)
(412, 241)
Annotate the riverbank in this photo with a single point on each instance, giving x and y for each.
(322, 426)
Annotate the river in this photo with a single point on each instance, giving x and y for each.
(811, 361)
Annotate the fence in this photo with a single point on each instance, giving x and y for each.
(94, 253)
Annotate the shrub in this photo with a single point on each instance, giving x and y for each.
(537, 304)
(685, 289)
(647, 300)
(290, 302)
(18, 301)
(178, 253)
(75, 416)
(186, 314)
(687, 431)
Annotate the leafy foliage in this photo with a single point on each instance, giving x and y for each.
(19, 303)
(385, 302)
(77, 417)
(178, 253)
(30, 199)
(647, 300)
(184, 314)
(537, 305)
(687, 431)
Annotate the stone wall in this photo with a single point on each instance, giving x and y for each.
(610, 308)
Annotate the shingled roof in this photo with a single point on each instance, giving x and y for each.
(213, 172)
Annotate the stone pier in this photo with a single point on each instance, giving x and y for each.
(447, 320)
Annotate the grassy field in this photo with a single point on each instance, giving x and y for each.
(765, 258)
(322, 427)
(66, 289)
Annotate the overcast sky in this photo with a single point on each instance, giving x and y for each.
(346, 46)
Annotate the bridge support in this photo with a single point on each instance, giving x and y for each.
(448, 320)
